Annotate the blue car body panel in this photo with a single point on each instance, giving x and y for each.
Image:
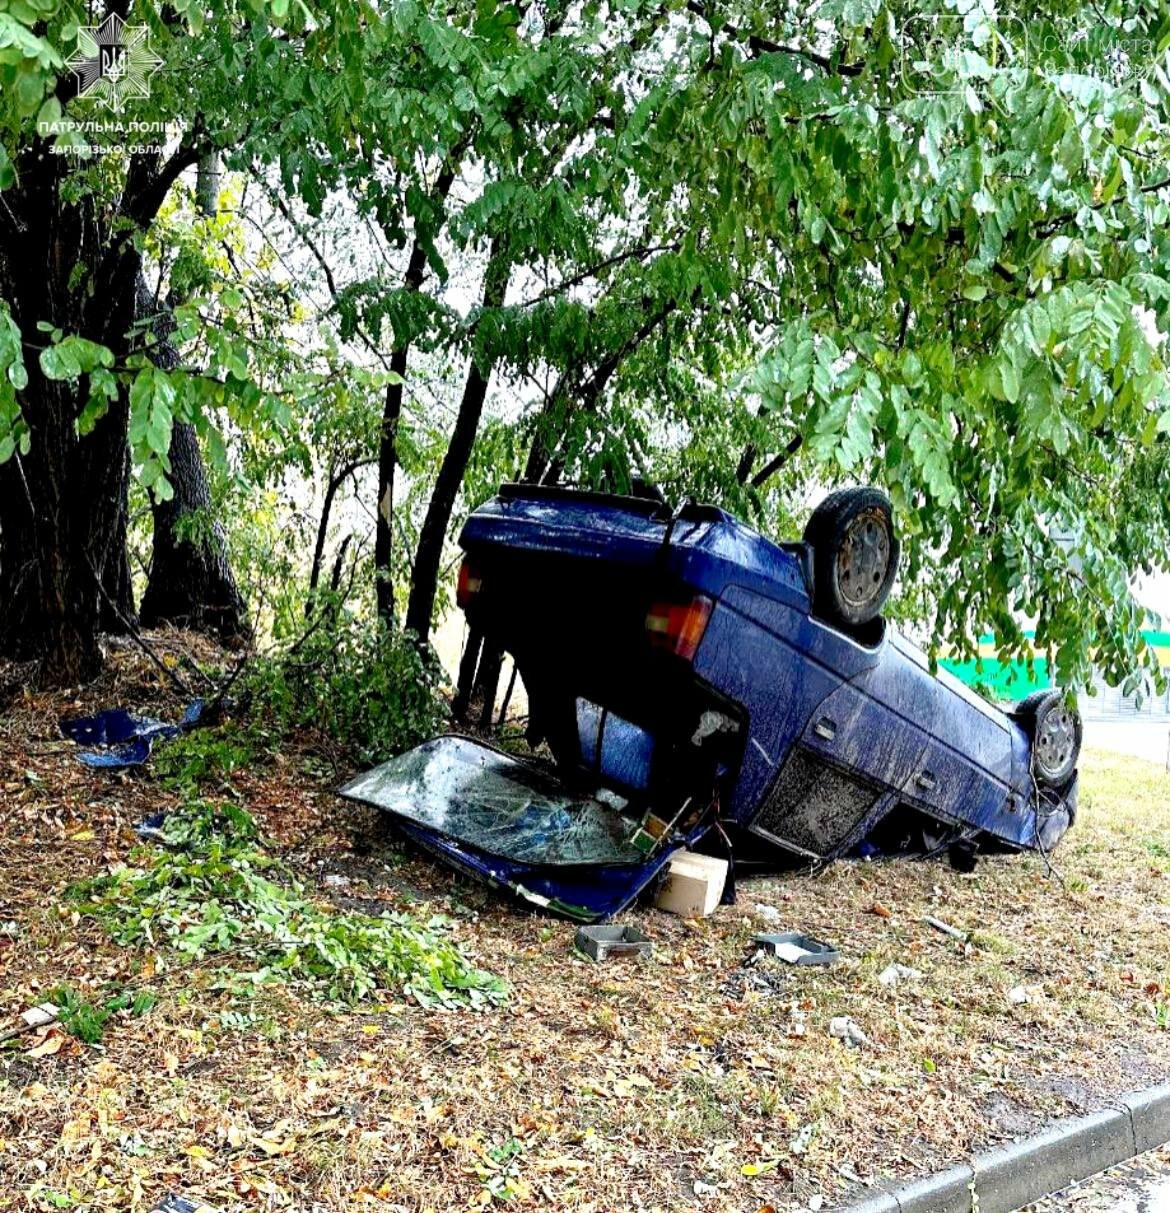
(821, 736)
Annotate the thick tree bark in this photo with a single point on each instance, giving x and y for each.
(191, 583)
(428, 559)
(60, 503)
(60, 507)
(117, 602)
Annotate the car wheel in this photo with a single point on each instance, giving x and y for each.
(1056, 731)
(855, 555)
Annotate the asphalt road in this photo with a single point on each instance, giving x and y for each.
(1140, 738)
(1140, 1186)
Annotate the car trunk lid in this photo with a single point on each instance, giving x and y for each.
(515, 825)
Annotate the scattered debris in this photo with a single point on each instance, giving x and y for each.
(844, 1028)
(798, 1021)
(603, 942)
(125, 739)
(693, 886)
(38, 1017)
(150, 829)
(816, 1203)
(801, 1142)
(753, 978)
(945, 928)
(180, 1204)
(896, 974)
(847, 1171)
(769, 914)
(798, 949)
(1017, 996)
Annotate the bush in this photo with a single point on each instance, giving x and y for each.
(372, 690)
(211, 889)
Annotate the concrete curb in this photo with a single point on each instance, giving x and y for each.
(1011, 1176)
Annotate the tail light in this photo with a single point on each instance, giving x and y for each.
(468, 586)
(678, 627)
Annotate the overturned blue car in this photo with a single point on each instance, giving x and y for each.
(697, 685)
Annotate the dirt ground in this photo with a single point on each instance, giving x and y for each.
(687, 1081)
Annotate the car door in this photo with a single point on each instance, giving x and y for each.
(854, 730)
(850, 749)
(963, 772)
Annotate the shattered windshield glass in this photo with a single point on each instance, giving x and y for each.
(490, 801)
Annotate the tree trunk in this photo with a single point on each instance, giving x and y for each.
(428, 560)
(60, 504)
(387, 462)
(191, 583)
(392, 411)
(117, 602)
(59, 509)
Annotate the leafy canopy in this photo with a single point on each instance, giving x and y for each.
(922, 247)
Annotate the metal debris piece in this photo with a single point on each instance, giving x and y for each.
(844, 1028)
(766, 983)
(516, 825)
(38, 1017)
(896, 974)
(945, 928)
(150, 828)
(181, 1204)
(798, 949)
(603, 942)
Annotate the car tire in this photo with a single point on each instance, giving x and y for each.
(855, 555)
(1055, 731)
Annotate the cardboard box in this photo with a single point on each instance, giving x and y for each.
(693, 885)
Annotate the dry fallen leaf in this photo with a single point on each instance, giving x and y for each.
(51, 1044)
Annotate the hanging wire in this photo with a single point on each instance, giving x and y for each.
(1054, 806)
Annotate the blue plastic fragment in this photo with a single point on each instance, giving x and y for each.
(125, 737)
(114, 758)
(150, 829)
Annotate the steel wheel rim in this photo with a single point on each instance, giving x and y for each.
(863, 558)
(1056, 741)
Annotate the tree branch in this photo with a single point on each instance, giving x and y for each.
(764, 46)
(777, 461)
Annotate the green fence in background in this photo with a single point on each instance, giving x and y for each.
(1015, 679)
